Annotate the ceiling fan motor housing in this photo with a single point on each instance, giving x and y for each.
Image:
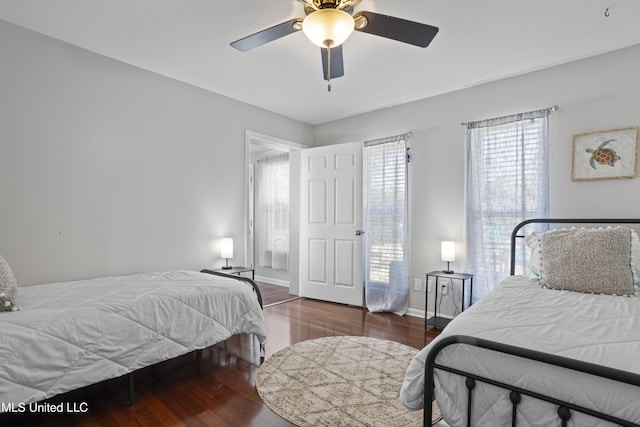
(323, 4)
(313, 5)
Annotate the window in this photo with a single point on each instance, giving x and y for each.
(272, 212)
(506, 182)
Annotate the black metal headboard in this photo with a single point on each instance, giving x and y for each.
(515, 235)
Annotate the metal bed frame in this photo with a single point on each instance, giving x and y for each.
(515, 393)
(256, 290)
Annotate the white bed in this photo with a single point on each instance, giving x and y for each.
(599, 329)
(564, 323)
(72, 334)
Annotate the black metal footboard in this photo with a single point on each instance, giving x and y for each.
(565, 408)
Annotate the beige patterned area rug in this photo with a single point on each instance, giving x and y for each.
(339, 381)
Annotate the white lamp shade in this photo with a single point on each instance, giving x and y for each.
(328, 27)
(226, 248)
(448, 251)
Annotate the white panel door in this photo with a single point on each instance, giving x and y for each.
(331, 216)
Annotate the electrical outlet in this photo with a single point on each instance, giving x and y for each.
(417, 284)
(445, 288)
(430, 284)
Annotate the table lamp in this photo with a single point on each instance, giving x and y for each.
(226, 251)
(448, 252)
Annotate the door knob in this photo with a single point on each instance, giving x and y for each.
(359, 232)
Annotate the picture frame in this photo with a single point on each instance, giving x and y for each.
(610, 154)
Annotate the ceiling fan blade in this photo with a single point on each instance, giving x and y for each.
(337, 66)
(267, 35)
(398, 29)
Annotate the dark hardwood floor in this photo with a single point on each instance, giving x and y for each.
(274, 294)
(217, 388)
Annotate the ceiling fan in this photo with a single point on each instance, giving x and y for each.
(330, 22)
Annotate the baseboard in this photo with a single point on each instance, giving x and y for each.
(414, 312)
(272, 281)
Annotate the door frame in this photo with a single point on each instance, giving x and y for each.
(254, 140)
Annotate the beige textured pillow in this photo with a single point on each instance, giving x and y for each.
(587, 260)
(8, 287)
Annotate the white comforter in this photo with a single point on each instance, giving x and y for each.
(72, 334)
(595, 328)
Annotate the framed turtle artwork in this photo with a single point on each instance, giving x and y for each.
(605, 155)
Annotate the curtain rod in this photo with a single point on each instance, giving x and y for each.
(395, 138)
(554, 108)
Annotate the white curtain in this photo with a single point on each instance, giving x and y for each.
(272, 212)
(385, 212)
(507, 181)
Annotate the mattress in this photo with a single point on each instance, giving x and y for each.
(599, 329)
(72, 334)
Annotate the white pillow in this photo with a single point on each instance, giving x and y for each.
(8, 287)
(533, 242)
(635, 258)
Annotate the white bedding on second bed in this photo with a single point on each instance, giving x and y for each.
(599, 329)
(72, 334)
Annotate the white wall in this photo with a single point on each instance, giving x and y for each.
(599, 93)
(109, 169)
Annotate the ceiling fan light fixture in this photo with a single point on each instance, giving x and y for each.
(328, 27)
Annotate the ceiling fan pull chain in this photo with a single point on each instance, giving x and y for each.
(328, 67)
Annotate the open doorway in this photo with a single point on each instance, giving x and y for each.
(272, 263)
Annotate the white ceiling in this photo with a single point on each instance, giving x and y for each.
(478, 42)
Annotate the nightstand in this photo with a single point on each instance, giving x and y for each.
(459, 278)
(237, 271)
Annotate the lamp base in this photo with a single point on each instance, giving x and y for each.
(447, 270)
(226, 267)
